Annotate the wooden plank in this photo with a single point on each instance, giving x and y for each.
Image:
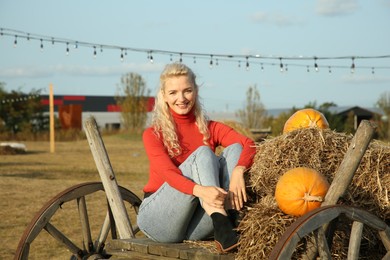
(146, 246)
(140, 247)
(120, 254)
(196, 254)
(107, 176)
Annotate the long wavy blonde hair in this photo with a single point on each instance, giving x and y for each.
(162, 120)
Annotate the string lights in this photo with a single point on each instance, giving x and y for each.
(315, 64)
(19, 99)
(353, 65)
(214, 59)
(281, 65)
(94, 52)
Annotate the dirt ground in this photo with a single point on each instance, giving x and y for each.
(30, 179)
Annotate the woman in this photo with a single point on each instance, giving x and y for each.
(191, 190)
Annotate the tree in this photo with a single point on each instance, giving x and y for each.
(20, 112)
(349, 124)
(253, 115)
(335, 121)
(277, 124)
(384, 103)
(133, 102)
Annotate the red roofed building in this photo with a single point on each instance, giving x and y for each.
(104, 108)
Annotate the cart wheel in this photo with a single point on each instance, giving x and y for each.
(61, 212)
(312, 223)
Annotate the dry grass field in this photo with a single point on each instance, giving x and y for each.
(28, 181)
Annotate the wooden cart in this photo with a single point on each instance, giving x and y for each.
(128, 242)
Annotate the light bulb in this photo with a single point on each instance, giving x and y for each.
(353, 65)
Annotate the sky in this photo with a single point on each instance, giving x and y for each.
(291, 33)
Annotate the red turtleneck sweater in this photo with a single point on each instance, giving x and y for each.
(165, 169)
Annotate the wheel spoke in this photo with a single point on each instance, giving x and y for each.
(85, 227)
(322, 244)
(114, 234)
(54, 232)
(385, 237)
(101, 239)
(355, 240)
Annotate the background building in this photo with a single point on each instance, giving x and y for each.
(74, 110)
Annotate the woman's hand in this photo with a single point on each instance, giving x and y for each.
(237, 191)
(213, 196)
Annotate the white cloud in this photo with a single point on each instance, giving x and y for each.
(336, 7)
(277, 19)
(29, 72)
(77, 70)
(365, 79)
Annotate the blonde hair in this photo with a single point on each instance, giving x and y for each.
(162, 120)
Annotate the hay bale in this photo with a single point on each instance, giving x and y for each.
(258, 237)
(240, 128)
(322, 150)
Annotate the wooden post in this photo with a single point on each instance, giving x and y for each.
(51, 111)
(343, 178)
(108, 178)
(350, 163)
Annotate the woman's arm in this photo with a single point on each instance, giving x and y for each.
(211, 195)
(162, 169)
(221, 134)
(225, 136)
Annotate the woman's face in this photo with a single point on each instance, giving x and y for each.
(179, 94)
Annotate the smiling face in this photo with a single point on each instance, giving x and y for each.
(179, 94)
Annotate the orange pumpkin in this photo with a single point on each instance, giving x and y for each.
(305, 118)
(300, 190)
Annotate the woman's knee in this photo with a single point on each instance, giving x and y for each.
(236, 147)
(204, 150)
(205, 156)
(233, 150)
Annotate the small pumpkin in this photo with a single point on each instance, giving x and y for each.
(300, 190)
(305, 118)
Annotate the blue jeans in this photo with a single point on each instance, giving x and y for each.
(171, 216)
